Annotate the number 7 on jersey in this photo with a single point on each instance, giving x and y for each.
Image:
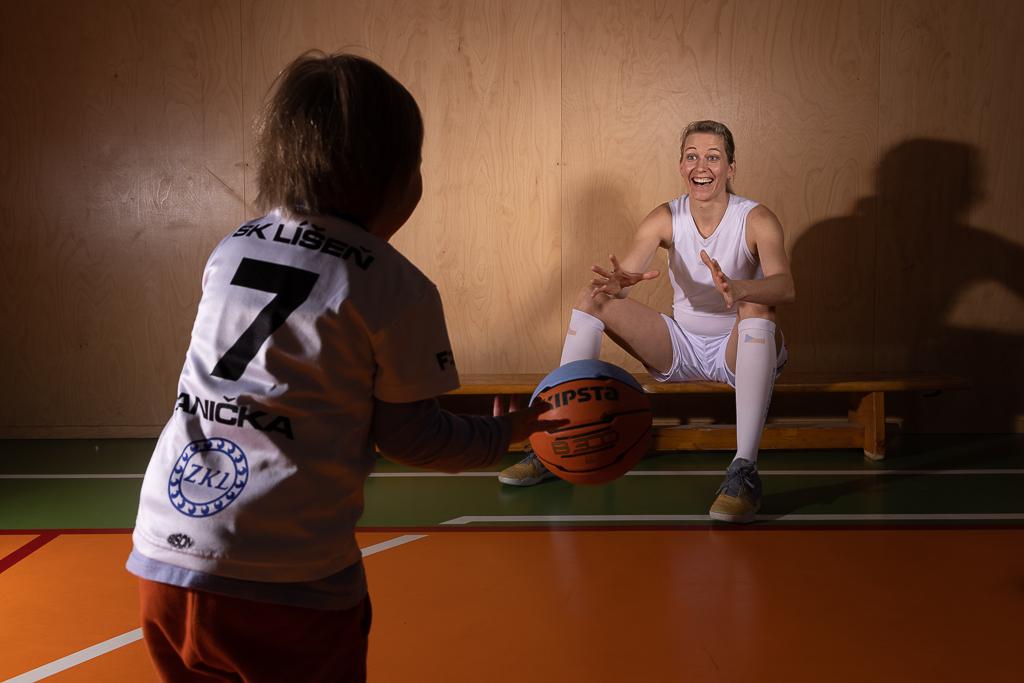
(291, 287)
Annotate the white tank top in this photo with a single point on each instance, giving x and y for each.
(697, 305)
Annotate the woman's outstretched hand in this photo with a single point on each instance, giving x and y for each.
(722, 283)
(612, 283)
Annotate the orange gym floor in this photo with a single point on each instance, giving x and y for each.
(912, 570)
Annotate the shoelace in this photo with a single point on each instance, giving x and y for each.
(736, 479)
(532, 460)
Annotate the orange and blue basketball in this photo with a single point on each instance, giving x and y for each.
(609, 427)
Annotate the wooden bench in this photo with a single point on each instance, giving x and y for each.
(863, 426)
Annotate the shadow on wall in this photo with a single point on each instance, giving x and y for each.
(903, 284)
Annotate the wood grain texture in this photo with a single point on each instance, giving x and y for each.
(486, 77)
(868, 411)
(951, 240)
(796, 82)
(949, 174)
(121, 150)
(885, 134)
(791, 382)
(811, 435)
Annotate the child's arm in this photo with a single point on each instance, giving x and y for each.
(421, 434)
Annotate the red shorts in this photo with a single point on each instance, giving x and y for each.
(198, 636)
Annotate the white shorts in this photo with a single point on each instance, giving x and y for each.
(701, 357)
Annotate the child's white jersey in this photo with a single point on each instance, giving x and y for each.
(259, 473)
(697, 303)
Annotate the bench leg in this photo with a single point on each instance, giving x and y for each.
(868, 411)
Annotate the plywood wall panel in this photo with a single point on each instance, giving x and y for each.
(118, 147)
(884, 133)
(809, 119)
(486, 77)
(796, 82)
(951, 240)
(951, 168)
(631, 80)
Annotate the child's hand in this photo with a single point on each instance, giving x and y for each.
(505, 404)
(522, 423)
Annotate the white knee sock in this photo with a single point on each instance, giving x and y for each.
(583, 339)
(755, 376)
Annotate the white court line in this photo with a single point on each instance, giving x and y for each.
(393, 543)
(766, 518)
(471, 519)
(433, 474)
(47, 670)
(634, 473)
(54, 667)
(718, 473)
(819, 473)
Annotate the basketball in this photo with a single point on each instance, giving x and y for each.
(609, 426)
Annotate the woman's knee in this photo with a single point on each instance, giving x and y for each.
(585, 302)
(746, 309)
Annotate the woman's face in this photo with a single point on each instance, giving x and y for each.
(704, 166)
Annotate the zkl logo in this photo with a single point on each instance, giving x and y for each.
(208, 476)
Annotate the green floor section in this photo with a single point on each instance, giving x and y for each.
(75, 456)
(68, 503)
(401, 502)
(409, 503)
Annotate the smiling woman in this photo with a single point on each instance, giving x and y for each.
(729, 270)
(717, 139)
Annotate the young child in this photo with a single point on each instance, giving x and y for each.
(314, 340)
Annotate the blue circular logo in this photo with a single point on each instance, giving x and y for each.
(207, 477)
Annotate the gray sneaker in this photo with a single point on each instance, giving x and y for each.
(527, 472)
(739, 496)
